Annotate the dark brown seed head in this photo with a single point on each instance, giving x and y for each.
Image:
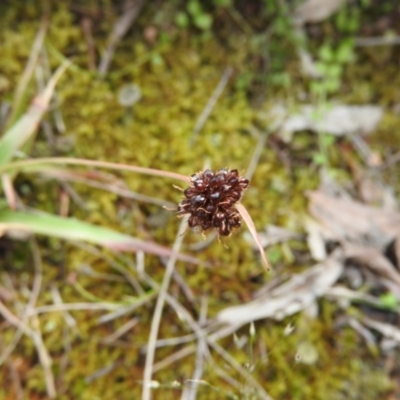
(210, 200)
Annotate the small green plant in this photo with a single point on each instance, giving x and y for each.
(194, 15)
(330, 64)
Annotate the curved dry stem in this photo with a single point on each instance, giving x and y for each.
(250, 224)
(41, 164)
(155, 324)
(29, 68)
(36, 287)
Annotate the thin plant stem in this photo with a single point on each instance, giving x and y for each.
(201, 353)
(242, 371)
(74, 307)
(37, 340)
(211, 103)
(29, 68)
(36, 287)
(42, 163)
(148, 370)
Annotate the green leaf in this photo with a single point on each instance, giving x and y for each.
(274, 254)
(182, 20)
(319, 159)
(203, 21)
(326, 53)
(194, 8)
(332, 85)
(72, 229)
(345, 52)
(322, 67)
(328, 140)
(389, 300)
(157, 59)
(334, 70)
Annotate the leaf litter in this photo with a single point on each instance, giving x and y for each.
(365, 239)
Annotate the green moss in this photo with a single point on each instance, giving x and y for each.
(177, 75)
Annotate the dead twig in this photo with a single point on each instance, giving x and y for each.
(37, 340)
(211, 103)
(121, 27)
(16, 380)
(86, 24)
(110, 187)
(262, 140)
(74, 307)
(120, 331)
(36, 286)
(34, 334)
(148, 370)
(242, 371)
(392, 160)
(200, 356)
(377, 41)
(29, 68)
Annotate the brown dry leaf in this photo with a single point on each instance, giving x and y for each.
(290, 297)
(274, 234)
(250, 224)
(345, 296)
(373, 259)
(343, 219)
(362, 331)
(373, 192)
(316, 10)
(386, 330)
(338, 120)
(315, 240)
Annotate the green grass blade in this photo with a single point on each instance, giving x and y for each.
(22, 130)
(76, 230)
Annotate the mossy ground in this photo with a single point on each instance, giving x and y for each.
(177, 75)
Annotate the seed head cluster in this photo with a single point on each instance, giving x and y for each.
(210, 200)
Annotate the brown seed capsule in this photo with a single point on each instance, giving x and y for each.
(207, 175)
(218, 180)
(214, 197)
(225, 228)
(189, 192)
(233, 173)
(235, 196)
(197, 200)
(243, 182)
(199, 184)
(218, 218)
(233, 180)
